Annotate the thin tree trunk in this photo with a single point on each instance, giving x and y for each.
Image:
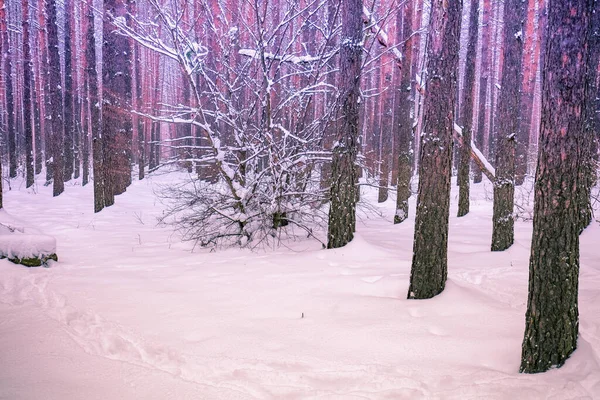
(55, 99)
(68, 116)
(552, 318)
(508, 125)
(430, 262)
(484, 87)
(468, 102)
(10, 100)
(342, 212)
(27, 104)
(94, 107)
(404, 122)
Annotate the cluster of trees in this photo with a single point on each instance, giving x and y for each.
(276, 108)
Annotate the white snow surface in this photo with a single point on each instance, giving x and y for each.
(19, 240)
(130, 312)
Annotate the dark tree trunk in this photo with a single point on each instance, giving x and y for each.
(116, 103)
(342, 212)
(589, 153)
(386, 124)
(507, 126)
(94, 107)
(85, 134)
(27, 105)
(55, 99)
(484, 85)
(467, 112)
(404, 123)
(10, 101)
(552, 318)
(68, 142)
(1, 58)
(37, 124)
(139, 102)
(430, 251)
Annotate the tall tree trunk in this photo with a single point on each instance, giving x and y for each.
(468, 102)
(507, 126)
(68, 141)
(484, 84)
(116, 101)
(342, 212)
(55, 96)
(27, 104)
(430, 263)
(552, 318)
(404, 123)
(10, 100)
(94, 107)
(386, 129)
(589, 154)
(139, 103)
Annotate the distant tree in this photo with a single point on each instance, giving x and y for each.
(508, 125)
(482, 126)
(55, 98)
(552, 318)
(69, 116)
(27, 98)
(468, 102)
(430, 251)
(342, 212)
(8, 85)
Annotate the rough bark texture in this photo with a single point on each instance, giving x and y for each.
(1, 58)
(342, 212)
(467, 112)
(430, 251)
(552, 318)
(116, 103)
(404, 122)
(507, 126)
(27, 106)
(55, 99)
(10, 102)
(94, 107)
(588, 174)
(69, 131)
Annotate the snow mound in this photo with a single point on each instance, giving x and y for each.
(24, 245)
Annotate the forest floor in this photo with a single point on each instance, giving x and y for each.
(130, 312)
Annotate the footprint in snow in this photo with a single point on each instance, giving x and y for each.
(371, 279)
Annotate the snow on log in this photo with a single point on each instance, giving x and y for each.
(381, 35)
(476, 155)
(23, 245)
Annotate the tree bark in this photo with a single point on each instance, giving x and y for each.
(342, 212)
(509, 103)
(484, 86)
(10, 100)
(404, 123)
(552, 318)
(27, 104)
(116, 103)
(430, 251)
(55, 99)
(467, 112)
(68, 104)
(94, 107)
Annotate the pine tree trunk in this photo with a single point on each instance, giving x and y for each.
(484, 87)
(507, 126)
(342, 212)
(430, 251)
(116, 103)
(467, 111)
(10, 100)
(94, 107)
(403, 121)
(552, 318)
(55, 96)
(139, 102)
(27, 104)
(68, 141)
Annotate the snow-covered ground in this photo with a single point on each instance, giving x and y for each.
(129, 312)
